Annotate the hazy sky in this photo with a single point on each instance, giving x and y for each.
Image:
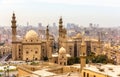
(82, 12)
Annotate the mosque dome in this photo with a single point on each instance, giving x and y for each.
(78, 35)
(31, 34)
(62, 50)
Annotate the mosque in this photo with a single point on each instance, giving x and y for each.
(32, 47)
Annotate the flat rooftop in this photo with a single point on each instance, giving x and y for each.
(107, 69)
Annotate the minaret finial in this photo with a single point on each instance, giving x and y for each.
(47, 26)
(47, 32)
(13, 17)
(60, 21)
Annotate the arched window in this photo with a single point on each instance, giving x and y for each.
(36, 59)
(36, 52)
(26, 58)
(94, 76)
(27, 52)
(83, 74)
(55, 62)
(87, 74)
(60, 63)
(64, 63)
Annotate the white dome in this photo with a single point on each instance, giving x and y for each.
(31, 34)
(62, 50)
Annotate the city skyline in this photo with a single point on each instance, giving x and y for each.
(81, 12)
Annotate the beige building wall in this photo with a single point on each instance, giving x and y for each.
(90, 73)
(43, 49)
(14, 51)
(118, 57)
(70, 48)
(18, 51)
(31, 52)
(5, 50)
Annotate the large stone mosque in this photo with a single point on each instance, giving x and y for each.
(32, 47)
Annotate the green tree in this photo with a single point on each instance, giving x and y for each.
(73, 60)
(77, 60)
(98, 59)
(70, 61)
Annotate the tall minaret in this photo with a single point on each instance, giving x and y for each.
(47, 33)
(13, 28)
(99, 45)
(14, 46)
(83, 55)
(60, 26)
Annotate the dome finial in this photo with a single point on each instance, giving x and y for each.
(62, 50)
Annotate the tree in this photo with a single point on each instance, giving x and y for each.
(101, 59)
(98, 59)
(70, 61)
(77, 60)
(73, 60)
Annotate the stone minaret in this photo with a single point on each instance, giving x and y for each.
(60, 27)
(99, 46)
(83, 55)
(60, 32)
(47, 33)
(13, 28)
(14, 48)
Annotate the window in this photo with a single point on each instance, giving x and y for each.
(36, 59)
(70, 50)
(83, 53)
(94, 76)
(27, 52)
(84, 74)
(64, 63)
(19, 49)
(26, 58)
(55, 62)
(87, 74)
(94, 49)
(36, 52)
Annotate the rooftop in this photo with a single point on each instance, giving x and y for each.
(108, 69)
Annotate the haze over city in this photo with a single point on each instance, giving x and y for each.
(59, 38)
(106, 13)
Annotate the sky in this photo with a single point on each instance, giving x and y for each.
(106, 13)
